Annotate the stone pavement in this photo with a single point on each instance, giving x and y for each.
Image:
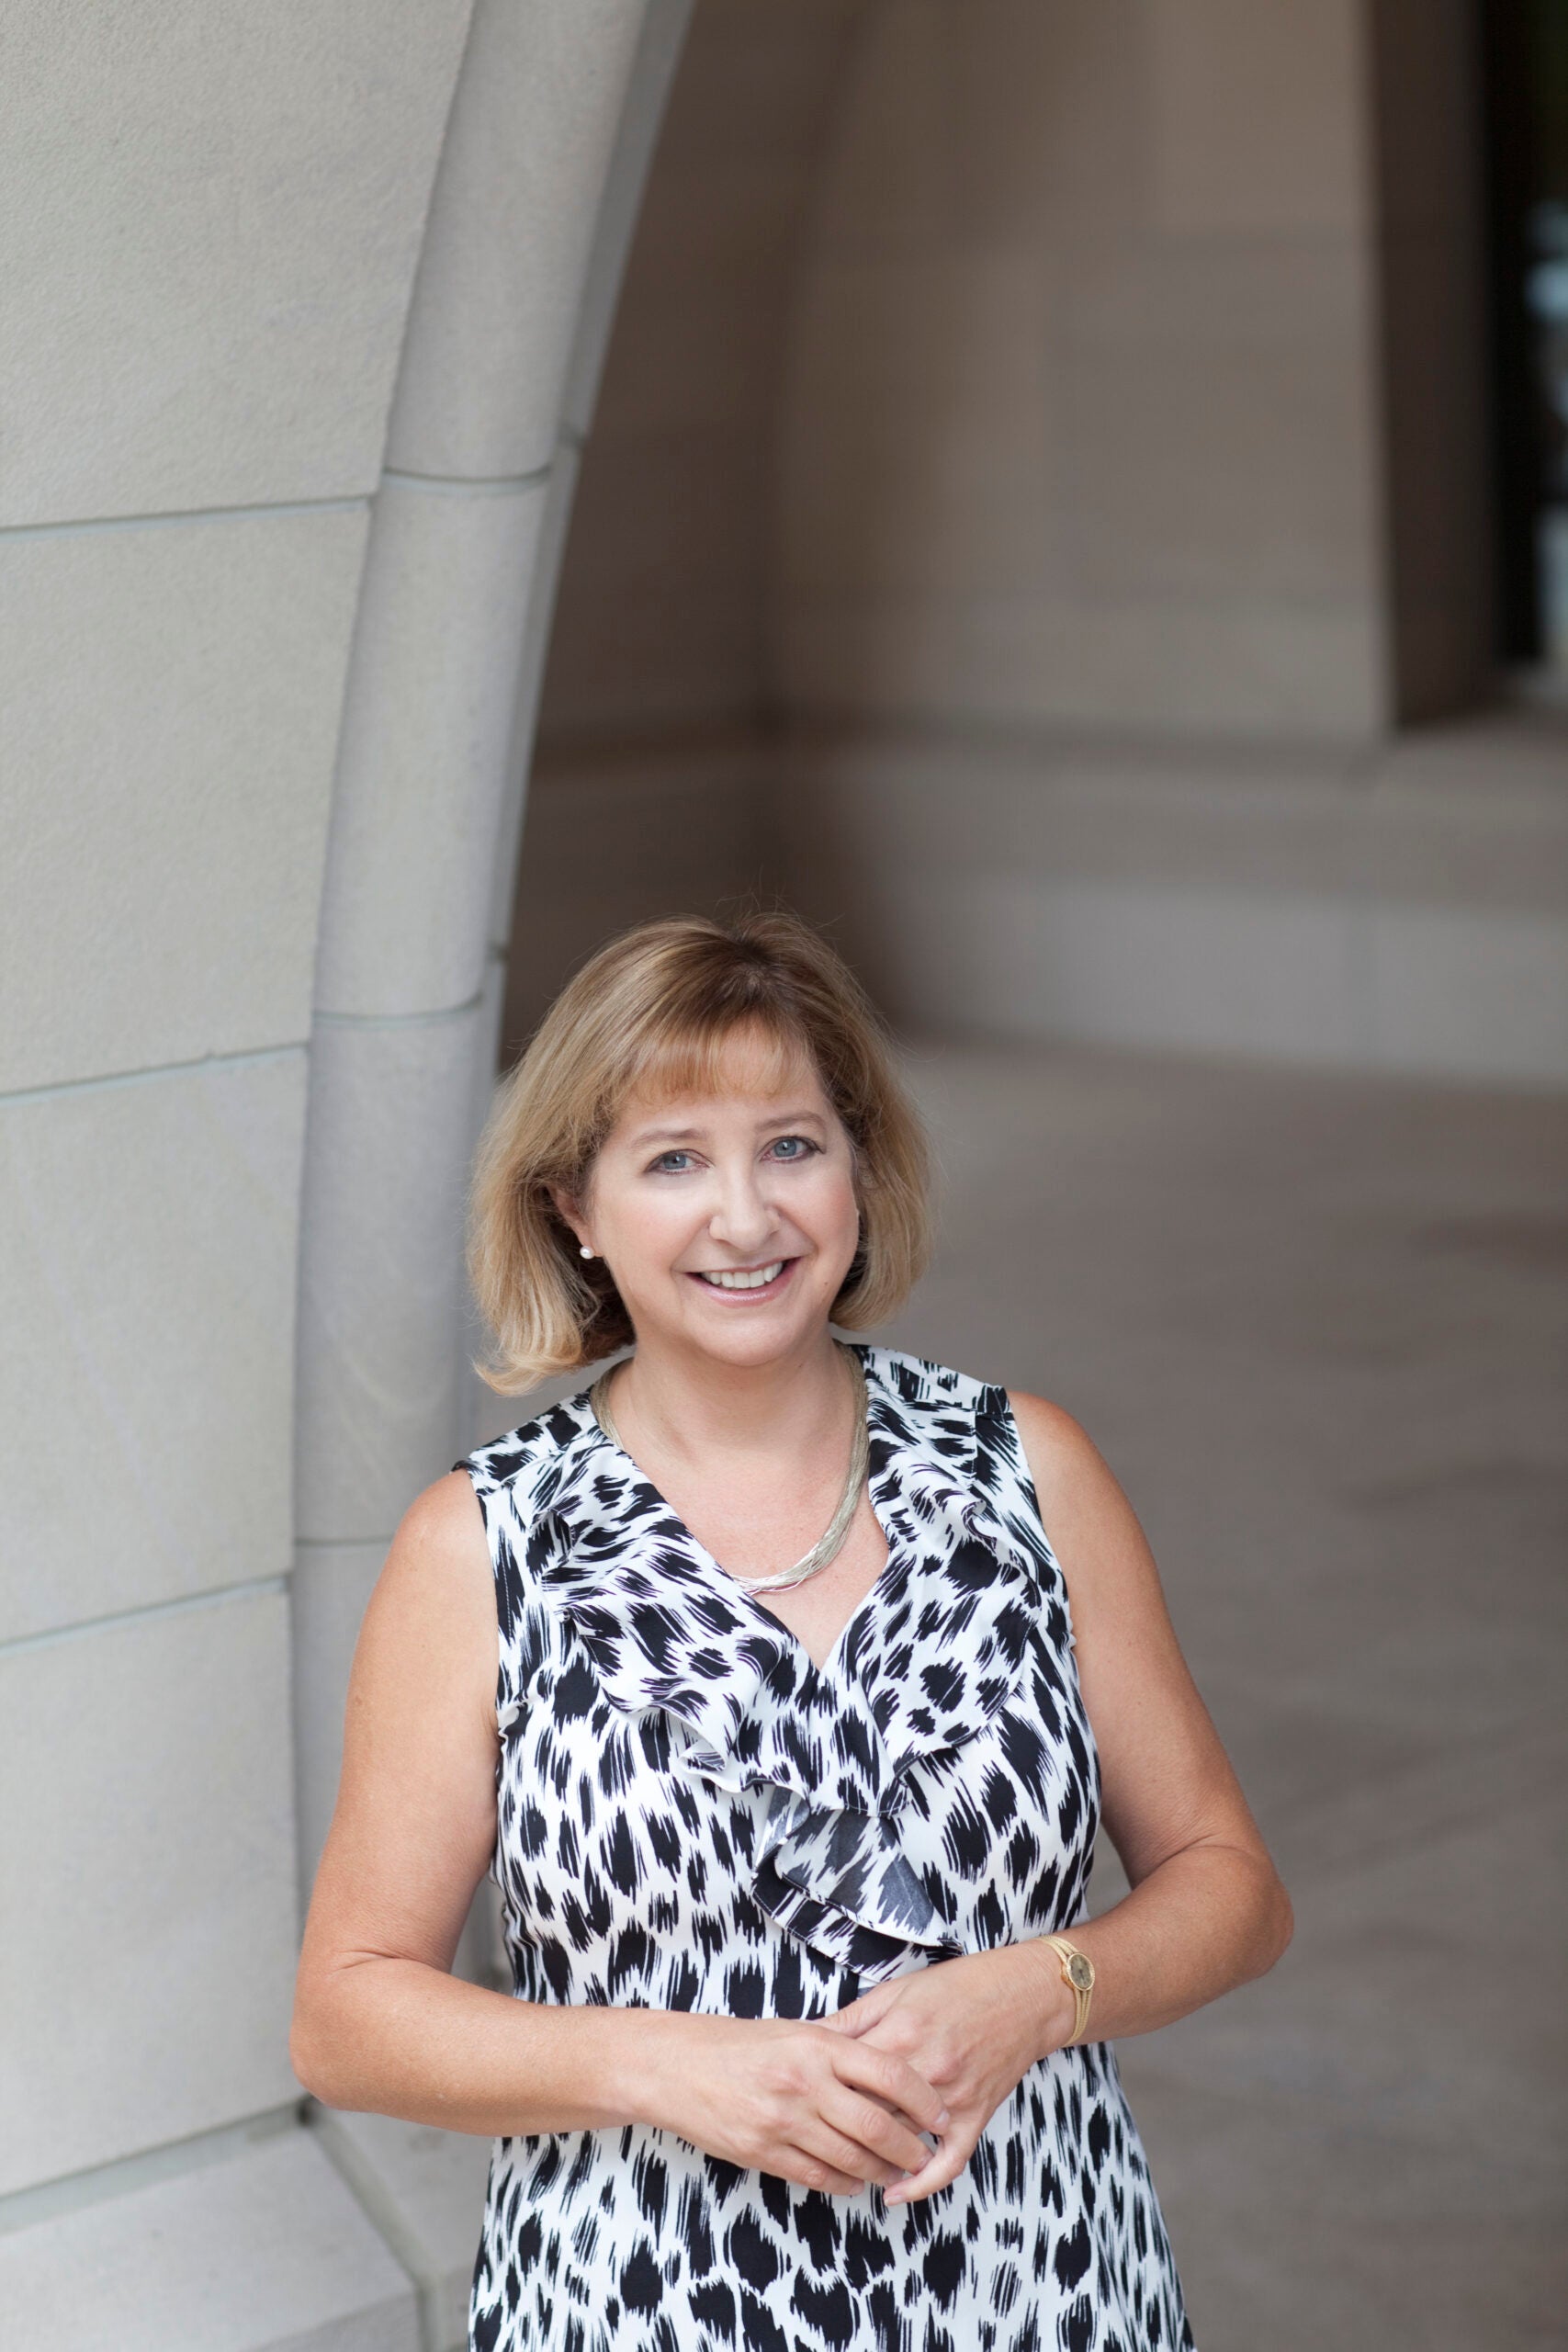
(1314, 1322)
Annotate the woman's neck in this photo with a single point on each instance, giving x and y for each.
(690, 1407)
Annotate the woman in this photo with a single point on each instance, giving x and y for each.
(810, 2046)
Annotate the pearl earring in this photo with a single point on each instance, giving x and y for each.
(584, 1252)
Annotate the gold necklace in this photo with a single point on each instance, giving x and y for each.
(831, 1542)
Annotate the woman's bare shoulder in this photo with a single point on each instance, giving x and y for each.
(445, 1520)
(441, 1537)
(1063, 1458)
(1089, 1523)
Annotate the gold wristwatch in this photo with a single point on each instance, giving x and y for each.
(1078, 1974)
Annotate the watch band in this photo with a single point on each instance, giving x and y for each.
(1077, 1975)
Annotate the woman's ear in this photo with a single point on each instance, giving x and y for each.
(568, 1209)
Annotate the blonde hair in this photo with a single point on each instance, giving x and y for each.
(651, 1012)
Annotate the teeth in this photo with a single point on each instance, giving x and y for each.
(755, 1280)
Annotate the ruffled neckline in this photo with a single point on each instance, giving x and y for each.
(921, 1666)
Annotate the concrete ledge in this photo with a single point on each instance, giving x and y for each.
(425, 2191)
(266, 2251)
(1398, 906)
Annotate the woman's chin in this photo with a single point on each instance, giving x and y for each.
(763, 1331)
(746, 1340)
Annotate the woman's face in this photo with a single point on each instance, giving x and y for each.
(727, 1220)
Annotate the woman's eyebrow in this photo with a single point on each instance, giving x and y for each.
(796, 1118)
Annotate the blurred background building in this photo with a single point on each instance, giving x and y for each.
(1074, 495)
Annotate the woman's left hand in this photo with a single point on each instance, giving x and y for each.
(973, 2027)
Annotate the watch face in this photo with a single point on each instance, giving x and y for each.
(1081, 1970)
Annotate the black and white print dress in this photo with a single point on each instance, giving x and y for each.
(694, 1816)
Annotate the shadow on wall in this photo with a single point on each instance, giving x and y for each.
(608, 842)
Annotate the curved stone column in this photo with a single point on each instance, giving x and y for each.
(552, 128)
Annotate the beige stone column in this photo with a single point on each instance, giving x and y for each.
(259, 666)
(213, 218)
(551, 132)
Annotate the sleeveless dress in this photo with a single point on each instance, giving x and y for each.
(694, 1816)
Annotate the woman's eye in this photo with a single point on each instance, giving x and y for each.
(670, 1163)
(794, 1146)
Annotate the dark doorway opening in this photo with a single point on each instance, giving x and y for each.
(1525, 47)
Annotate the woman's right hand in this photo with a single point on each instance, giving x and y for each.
(782, 2096)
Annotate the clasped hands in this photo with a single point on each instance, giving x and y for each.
(840, 2101)
(971, 2028)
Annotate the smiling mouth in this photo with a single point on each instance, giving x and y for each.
(746, 1278)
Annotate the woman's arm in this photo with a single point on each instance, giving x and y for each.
(1206, 1910)
(379, 2022)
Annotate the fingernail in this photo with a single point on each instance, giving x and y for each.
(943, 2119)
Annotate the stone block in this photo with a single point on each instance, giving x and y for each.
(147, 1232)
(170, 700)
(146, 1977)
(533, 124)
(426, 2189)
(214, 217)
(1258, 117)
(381, 1281)
(266, 2251)
(1115, 962)
(423, 771)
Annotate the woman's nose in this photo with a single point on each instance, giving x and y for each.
(742, 1217)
